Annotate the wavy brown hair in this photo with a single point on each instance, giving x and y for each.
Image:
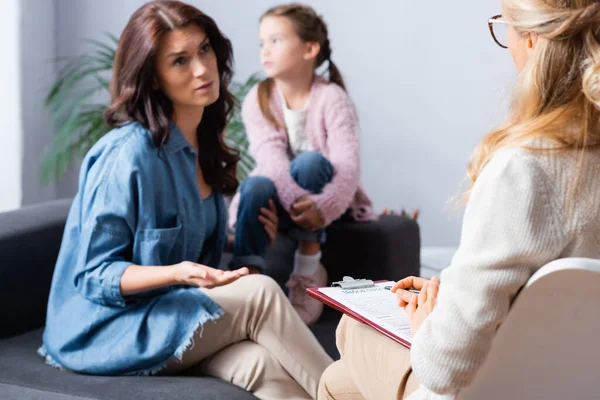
(310, 27)
(557, 96)
(133, 97)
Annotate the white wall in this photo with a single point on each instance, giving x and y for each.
(10, 150)
(426, 77)
(38, 71)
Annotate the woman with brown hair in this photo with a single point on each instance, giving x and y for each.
(534, 198)
(136, 289)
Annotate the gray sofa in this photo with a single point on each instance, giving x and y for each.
(29, 243)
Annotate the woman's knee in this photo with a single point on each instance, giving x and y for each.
(336, 384)
(341, 333)
(257, 190)
(311, 170)
(245, 364)
(259, 365)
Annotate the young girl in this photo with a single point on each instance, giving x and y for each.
(136, 289)
(535, 198)
(303, 135)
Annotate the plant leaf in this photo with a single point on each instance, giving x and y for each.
(78, 124)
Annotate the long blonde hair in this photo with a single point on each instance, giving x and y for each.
(557, 95)
(310, 27)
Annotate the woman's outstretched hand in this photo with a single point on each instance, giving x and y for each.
(202, 276)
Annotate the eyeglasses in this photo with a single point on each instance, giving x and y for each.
(499, 30)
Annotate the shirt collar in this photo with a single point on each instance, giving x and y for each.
(176, 141)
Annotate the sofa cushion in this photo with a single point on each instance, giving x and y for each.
(24, 372)
(14, 392)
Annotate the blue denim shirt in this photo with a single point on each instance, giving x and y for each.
(137, 204)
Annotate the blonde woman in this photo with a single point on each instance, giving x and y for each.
(534, 198)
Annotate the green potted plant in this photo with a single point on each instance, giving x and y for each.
(235, 136)
(79, 119)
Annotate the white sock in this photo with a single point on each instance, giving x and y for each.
(306, 265)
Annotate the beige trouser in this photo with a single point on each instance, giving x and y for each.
(372, 366)
(259, 344)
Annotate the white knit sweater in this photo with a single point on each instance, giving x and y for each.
(516, 221)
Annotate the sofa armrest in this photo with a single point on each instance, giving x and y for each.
(388, 248)
(30, 239)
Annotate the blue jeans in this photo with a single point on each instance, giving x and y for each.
(311, 171)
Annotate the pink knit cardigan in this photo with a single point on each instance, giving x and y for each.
(332, 128)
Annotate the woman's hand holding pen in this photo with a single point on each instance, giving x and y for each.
(417, 306)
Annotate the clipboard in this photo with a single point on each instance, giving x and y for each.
(351, 285)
